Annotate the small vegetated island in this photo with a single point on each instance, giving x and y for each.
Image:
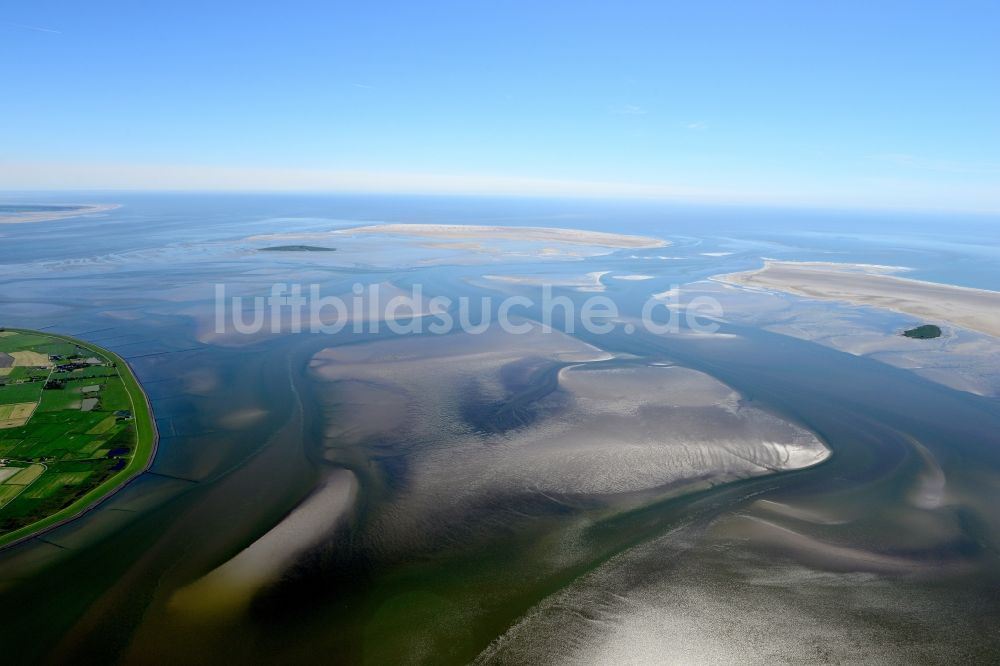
(75, 426)
(925, 332)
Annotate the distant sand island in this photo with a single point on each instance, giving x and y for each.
(297, 248)
(24, 213)
(544, 234)
(864, 284)
(465, 232)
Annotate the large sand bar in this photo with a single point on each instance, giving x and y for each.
(975, 309)
(466, 232)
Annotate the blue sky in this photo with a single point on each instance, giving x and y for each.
(823, 103)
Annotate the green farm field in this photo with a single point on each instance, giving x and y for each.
(74, 427)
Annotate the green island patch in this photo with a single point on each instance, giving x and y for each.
(75, 426)
(925, 332)
(297, 248)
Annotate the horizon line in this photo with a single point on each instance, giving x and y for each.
(22, 177)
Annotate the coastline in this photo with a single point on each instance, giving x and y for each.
(146, 434)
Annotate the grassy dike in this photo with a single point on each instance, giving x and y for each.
(146, 440)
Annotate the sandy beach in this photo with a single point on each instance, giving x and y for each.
(860, 284)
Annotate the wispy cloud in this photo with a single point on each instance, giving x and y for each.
(697, 125)
(935, 164)
(32, 27)
(631, 110)
(363, 86)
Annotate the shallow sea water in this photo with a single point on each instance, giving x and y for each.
(886, 552)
